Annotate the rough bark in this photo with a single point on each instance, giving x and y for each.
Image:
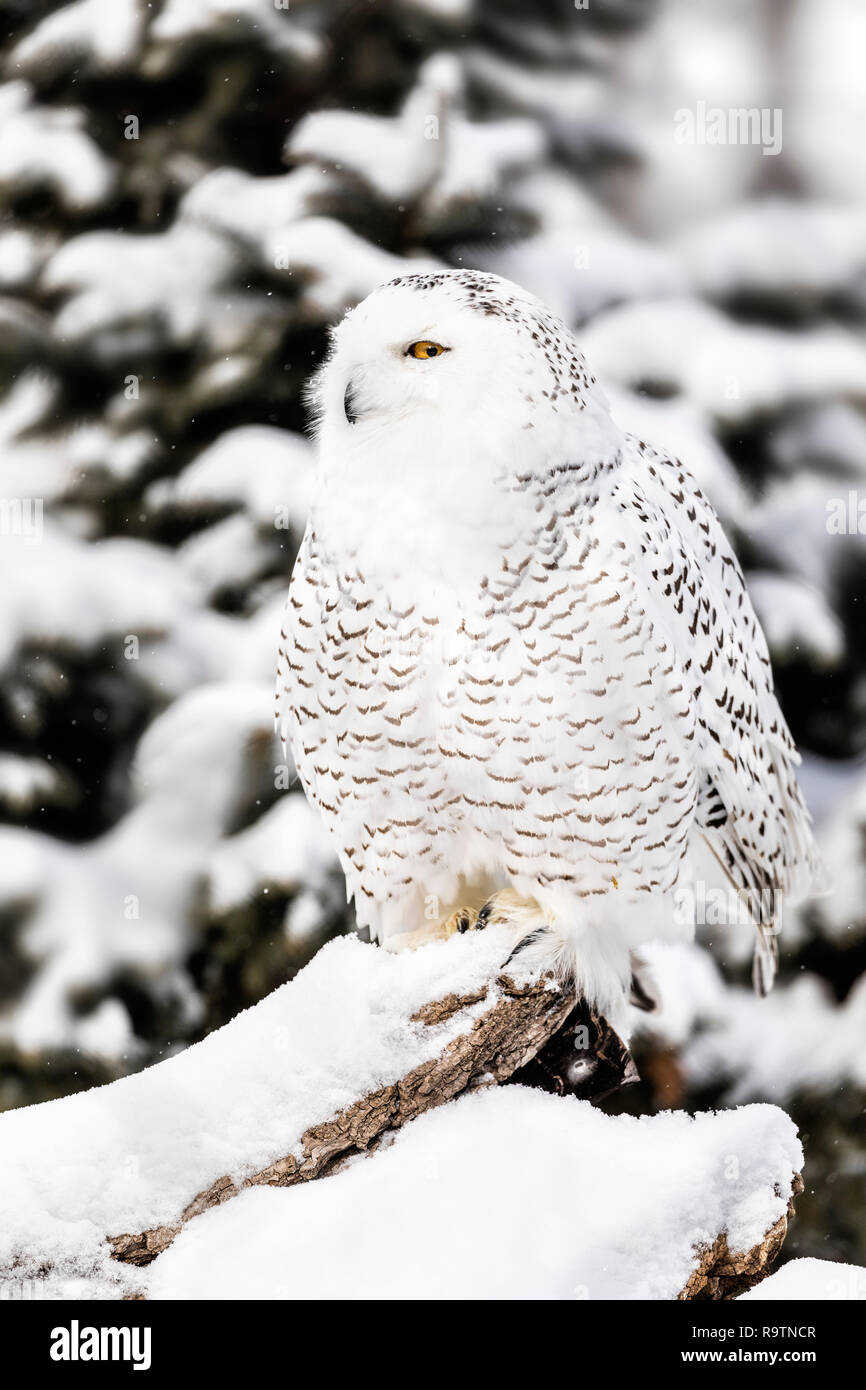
(585, 1058)
(534, 1033)
(520, 1021)
(722, 1274)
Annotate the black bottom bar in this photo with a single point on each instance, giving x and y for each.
(264, 1338)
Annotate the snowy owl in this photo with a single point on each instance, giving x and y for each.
(520, 674)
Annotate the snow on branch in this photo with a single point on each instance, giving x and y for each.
(514, 1022)
(336, 1064)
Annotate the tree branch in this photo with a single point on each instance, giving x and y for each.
(523, 1018)
(535, 1033)
(722, 1274)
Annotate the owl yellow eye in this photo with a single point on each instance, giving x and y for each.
(425, 349)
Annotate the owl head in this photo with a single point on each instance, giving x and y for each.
(435, 349)
(443, 396)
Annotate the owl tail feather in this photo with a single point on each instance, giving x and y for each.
(765, 961)
(746, 876)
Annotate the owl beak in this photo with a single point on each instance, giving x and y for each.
(349, 404)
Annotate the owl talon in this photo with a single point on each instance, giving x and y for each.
(463, 920)
(525, 942)
(522, 916)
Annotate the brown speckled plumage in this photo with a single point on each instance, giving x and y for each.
(532, 660)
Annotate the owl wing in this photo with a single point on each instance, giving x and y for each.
(750, 808)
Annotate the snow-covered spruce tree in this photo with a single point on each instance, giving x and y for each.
(190, 195)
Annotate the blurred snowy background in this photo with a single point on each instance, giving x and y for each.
(191, 192)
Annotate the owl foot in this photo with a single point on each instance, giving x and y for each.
(522, 916)
(463, 920)
(507, 909)
(503, 909)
